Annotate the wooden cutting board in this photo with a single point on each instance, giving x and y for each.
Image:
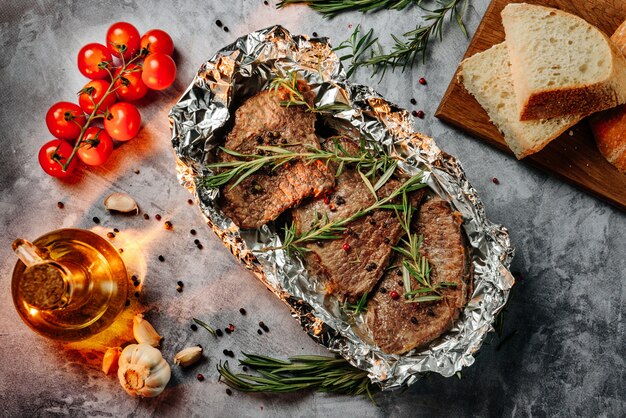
(573, 156)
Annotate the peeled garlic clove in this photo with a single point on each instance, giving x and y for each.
(143, 371)
(188, 356)
(144, 332)
(111, 356)
(121, 202)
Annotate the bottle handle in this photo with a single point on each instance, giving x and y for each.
(28, 252)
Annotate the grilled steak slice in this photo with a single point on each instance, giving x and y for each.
(264, 195)
(352, 265)
(397, 326)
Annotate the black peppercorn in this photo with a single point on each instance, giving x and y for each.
(199, 246)
(193, 232)
(229, 392)
(413, 102)
(258, 331)
(60, 205)
(414, 320)
(383, 290)
(116, 230)
(227, 330)
(219, 23)
(180, 283)
(194, 327)
(110, 235)
(96, 220)
(242, 311)
(225, 28)
(157, 217)
(161, 258)
(219, 332)
(146, 216)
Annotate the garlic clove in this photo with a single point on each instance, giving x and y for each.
(143, 372)
(110, 359)
(144, 332)
(188, 356)
(121, 202)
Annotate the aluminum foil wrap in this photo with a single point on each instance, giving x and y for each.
(199, 123)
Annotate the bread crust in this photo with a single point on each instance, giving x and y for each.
(609, 127)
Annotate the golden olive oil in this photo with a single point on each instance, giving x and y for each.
(74, 286)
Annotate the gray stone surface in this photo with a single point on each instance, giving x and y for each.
(565, 320)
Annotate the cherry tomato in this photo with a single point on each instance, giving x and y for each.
(123, 38)
(91, 57)
(133, 88)
(123, 121)
(159, 71)
(65, 120)
(96, 148)
(53, 155)
(92, 94)
(157, 40)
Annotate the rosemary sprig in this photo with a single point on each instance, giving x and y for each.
(331, 8)
(320, 373)
(404, 51)
(296, 96)
(370, 161)
(324, 229)
(414, 264)
(205, 326)
(358, 308)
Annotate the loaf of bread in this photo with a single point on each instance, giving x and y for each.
(487, 76)
(609, 127)
(560, 64)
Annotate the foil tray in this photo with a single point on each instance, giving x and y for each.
(199, 123)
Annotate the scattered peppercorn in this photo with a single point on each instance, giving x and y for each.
(383, 290)
(346, 247)
(121, 250)
(161, 258)
(245, 369)
(136, 294)
(394, 295)
(258, 331)
(264, 327)
(110, 235)
(314, 34)
(420, 114)
(146, 216)
(136, 171)
(219, 332)
(219, 23)
(242, 311)
(96, 220)
(127, 302)
(136, 283)
(414, 113)
(495, 180)
(227, 330)
(194, 327)
(179, 289)
(193, 232)
(265, 2)
(228, 353)
(414, 320)
(413, 102)
(116, 230)
(225, 28)
(199, 246)
(229, 392)
(422, 81)
(196, 241)
(180, 283)
(168, 225)
(371, 267)
(60, 205)
(157, 217)
(190, 201)
(340, 200)
(200, 377)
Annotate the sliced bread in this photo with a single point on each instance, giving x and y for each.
(609, 127)
(487, 76)
(560, 64)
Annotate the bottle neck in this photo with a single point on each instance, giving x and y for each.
(46, 286)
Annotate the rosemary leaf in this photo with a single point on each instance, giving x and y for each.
(331, 8)
(205, 326)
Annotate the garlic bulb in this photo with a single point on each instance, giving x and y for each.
(144, 332)
(143, 371)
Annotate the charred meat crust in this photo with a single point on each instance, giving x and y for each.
(397, 326)
(263, 196)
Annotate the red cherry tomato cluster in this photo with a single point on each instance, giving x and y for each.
(122, 71)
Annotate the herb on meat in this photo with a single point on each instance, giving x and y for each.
(414, 264)
(296, 97)
(331, 8)
(358, 308)
(404, 51)
(320, 373)
(324, 229)
(370, 161)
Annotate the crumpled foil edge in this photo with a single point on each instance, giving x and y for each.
(198, 123)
